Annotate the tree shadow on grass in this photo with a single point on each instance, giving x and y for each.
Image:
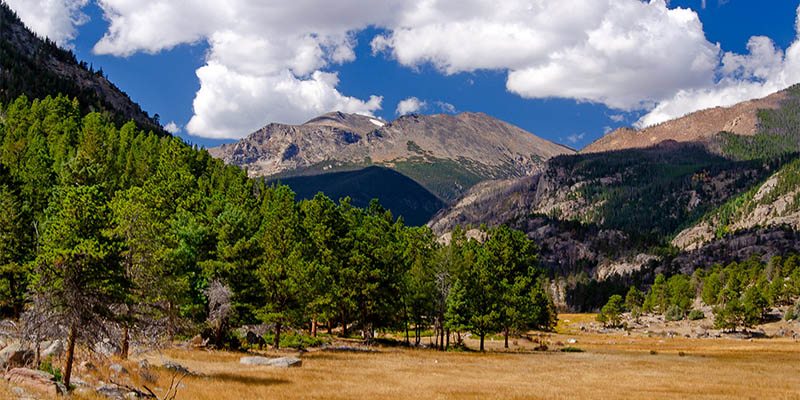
(248, 380)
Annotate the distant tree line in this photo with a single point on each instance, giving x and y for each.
(739, 294)
(112, 228)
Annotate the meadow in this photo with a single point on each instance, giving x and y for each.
(611, 366)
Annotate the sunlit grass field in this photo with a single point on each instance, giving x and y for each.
(611, 367)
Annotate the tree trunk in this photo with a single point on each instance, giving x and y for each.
(218, 337)
(169, 321)
(447, 343)
(70, 355)
(344, 325)
(505, 334)
(408, 343)
(277, 340)
(123, 351)
(38, 351)
(330, 327)
(482, 336)
(314, 327)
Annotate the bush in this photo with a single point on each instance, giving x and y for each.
(694, 315)
(674, 313)
(47, 366)
(790, 315)
(570, 349)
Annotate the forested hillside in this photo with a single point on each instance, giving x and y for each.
(37, 67)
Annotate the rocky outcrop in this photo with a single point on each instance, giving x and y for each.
(35, 380)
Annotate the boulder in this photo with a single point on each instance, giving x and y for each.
(78, 382)
(282, 362)
(106, 348)
(15, 354)
(54, 349)
(173, 366)
(111, 391)
(39, 381)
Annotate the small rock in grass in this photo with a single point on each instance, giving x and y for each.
(118, 369)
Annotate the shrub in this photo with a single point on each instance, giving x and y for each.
(47, 366)
(695, 314)
(674, 313)
(790, 315)
(570, 349)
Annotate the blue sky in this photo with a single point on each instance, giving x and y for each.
(158, 65)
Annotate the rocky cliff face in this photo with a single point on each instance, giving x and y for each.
(445, 153)
(771, 204)
(698, 126)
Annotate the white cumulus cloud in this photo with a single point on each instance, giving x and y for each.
(764, 70)
(409, 105)
(267, 61)
(55, 19)
(625, 54)
(276, 60)
(172, 127)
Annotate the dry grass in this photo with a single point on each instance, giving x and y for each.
(613, 366)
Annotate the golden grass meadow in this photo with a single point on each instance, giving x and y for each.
(611, 367)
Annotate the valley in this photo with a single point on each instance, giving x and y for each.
(348, 249)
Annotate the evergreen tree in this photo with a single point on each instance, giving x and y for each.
(78, 277)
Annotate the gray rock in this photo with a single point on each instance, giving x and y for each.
(173, 366)
(118, 369)
(78, 382)
(106, 348)
(282, 362)
(111, 391)
(286, 362)
(254, 360)
(131, 395)
(54, 349)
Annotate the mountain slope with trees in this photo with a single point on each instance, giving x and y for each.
(37, 67)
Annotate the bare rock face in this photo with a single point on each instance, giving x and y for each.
(699, 126)
(38, 381)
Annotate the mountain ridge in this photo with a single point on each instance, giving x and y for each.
(445, 153)
(698, 126)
